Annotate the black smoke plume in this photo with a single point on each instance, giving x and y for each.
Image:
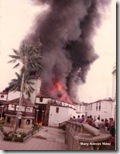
(66, 32)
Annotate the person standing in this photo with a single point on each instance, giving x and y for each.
(102, 124)
(97, 123)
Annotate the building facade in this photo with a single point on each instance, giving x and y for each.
(27, 116)
(100, 108)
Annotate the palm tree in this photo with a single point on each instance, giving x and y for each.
(15, 84)
(29, 56)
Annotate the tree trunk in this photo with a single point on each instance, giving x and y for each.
(18, 116)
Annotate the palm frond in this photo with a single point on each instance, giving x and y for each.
(30, 82)
(16, 65)
(12, 61)
(16, 52)
(31, 88)
(15, 57)
(18, 75)
(40, 67)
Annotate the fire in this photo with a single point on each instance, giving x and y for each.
(64, 96)
(59, 86)
(61, 93)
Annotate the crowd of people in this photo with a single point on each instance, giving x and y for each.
(102, 124)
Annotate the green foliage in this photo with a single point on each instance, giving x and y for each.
(8, 136)
(30, 57)
(18, 138)
(15, 84)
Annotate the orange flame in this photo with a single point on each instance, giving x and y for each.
(59, 86)
(64, 97)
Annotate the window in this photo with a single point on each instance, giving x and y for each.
(99, 106)
(41, 99)
(28, 122)
(57, 109)
(96, 106)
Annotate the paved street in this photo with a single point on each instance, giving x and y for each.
(47, 138)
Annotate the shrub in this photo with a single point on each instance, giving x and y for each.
(18, 138)
(1, 128)
(8, 136)
(1, 121)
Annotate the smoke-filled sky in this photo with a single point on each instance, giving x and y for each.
(84, 50)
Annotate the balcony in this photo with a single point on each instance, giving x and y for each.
(24, 114)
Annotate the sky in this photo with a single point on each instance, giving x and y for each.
(17, 18)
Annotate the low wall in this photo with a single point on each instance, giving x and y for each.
(81, 136)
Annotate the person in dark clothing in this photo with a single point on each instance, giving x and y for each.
(82, 119)
(112, 129)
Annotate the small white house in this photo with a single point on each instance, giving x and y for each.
(53, 111)
(59, 114)
(101, 108)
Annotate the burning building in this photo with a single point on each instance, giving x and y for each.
(66, 32)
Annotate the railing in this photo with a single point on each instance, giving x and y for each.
(81, 136)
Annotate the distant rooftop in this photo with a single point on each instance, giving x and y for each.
(105, 99)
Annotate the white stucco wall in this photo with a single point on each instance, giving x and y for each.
(44, 100)
(36, 86)
(105, 112)
(64, 114)
(11, 96)
(4, 98)
(80, 110)
(22, 108)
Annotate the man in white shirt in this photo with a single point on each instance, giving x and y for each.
(97, 123)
